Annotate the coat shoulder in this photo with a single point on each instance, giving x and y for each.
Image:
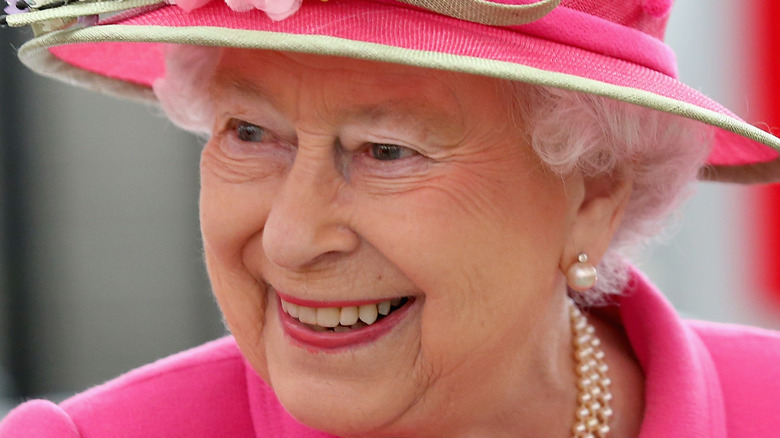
(747, 360)
(38, 419)
(196, 393)
(737, 349)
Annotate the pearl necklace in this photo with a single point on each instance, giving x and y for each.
(593, 411)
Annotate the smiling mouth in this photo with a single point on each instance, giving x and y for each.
(342, 319)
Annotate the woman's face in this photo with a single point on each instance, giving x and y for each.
(334, 183)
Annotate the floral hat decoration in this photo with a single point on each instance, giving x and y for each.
(611, 48)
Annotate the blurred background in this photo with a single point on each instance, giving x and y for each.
(100, 257)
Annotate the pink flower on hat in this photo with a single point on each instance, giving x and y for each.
(276, 9)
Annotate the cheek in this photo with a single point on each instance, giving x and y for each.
(489, 218)
(481, 243)
(232, 216)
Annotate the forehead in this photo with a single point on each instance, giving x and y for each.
(279, 76)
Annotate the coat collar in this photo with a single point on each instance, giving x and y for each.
(683, 395)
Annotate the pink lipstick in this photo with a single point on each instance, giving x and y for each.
(322, 338)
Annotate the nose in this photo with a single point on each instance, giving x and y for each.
(308, 221)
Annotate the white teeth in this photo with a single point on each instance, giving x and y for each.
(340, 319)
(307, 315)
(368, 313)
(328, 316)
(383, 308)
(349, 316)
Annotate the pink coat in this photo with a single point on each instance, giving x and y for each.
(703, 380)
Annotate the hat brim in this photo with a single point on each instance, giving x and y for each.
(125, 56)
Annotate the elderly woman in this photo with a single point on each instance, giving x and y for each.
(401, 203)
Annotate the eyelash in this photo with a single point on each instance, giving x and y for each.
(249, 133)
(242, 129)
(377, 150)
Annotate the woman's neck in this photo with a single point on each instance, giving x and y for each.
(628, 380)
(531, 391)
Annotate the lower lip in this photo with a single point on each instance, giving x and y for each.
(332, 340)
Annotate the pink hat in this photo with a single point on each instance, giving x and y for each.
(611, 48)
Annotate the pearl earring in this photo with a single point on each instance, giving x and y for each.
(581, 276)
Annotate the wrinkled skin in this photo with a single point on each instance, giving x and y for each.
(458, 212)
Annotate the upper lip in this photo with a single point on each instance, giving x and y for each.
(330, 303)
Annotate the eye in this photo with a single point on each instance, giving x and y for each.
(248, 132)
(389, 152)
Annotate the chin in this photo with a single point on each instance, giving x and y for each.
(363, 388)
(342, 409)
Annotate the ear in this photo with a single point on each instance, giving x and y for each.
(599, 203)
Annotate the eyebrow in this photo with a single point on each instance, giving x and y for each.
(410, 112)
(242, 86)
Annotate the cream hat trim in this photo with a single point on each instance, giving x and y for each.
(36, 56)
